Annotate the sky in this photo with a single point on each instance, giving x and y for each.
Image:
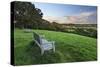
(65, 13)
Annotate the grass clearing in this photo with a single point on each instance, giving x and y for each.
(69, 48)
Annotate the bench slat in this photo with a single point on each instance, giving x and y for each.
(43, 43)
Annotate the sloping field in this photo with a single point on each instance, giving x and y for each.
(69, 48)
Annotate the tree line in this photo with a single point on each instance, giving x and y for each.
(26, 15)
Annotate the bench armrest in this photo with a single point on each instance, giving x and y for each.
(53, 42)
(42, 36)
(50, 42)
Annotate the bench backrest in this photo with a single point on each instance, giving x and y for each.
(37, 38)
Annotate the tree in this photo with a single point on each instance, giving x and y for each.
(26, 15)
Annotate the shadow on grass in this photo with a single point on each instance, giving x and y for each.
(36, 58)
(31, 54)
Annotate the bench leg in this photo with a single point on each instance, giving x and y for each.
(42, 51)
(53, 47)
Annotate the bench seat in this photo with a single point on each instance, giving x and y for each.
(44, 44)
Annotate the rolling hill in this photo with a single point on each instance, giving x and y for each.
(69, 48)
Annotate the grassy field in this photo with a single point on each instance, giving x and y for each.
(69, 48)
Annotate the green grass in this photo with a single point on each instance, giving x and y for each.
(69, 48)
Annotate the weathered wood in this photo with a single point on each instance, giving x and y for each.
(43, 43)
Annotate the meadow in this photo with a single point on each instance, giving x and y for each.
(69, 48)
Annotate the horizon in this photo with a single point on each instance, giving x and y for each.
(74, 14)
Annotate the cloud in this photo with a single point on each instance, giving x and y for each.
(72, 19)
(87, 18)
(81, 18)
(56, 19)
(85, 14)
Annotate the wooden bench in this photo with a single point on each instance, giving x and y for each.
(43, 43)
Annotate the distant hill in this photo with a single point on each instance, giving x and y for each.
(81, 25)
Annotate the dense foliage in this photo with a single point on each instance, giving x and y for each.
(26, 15)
